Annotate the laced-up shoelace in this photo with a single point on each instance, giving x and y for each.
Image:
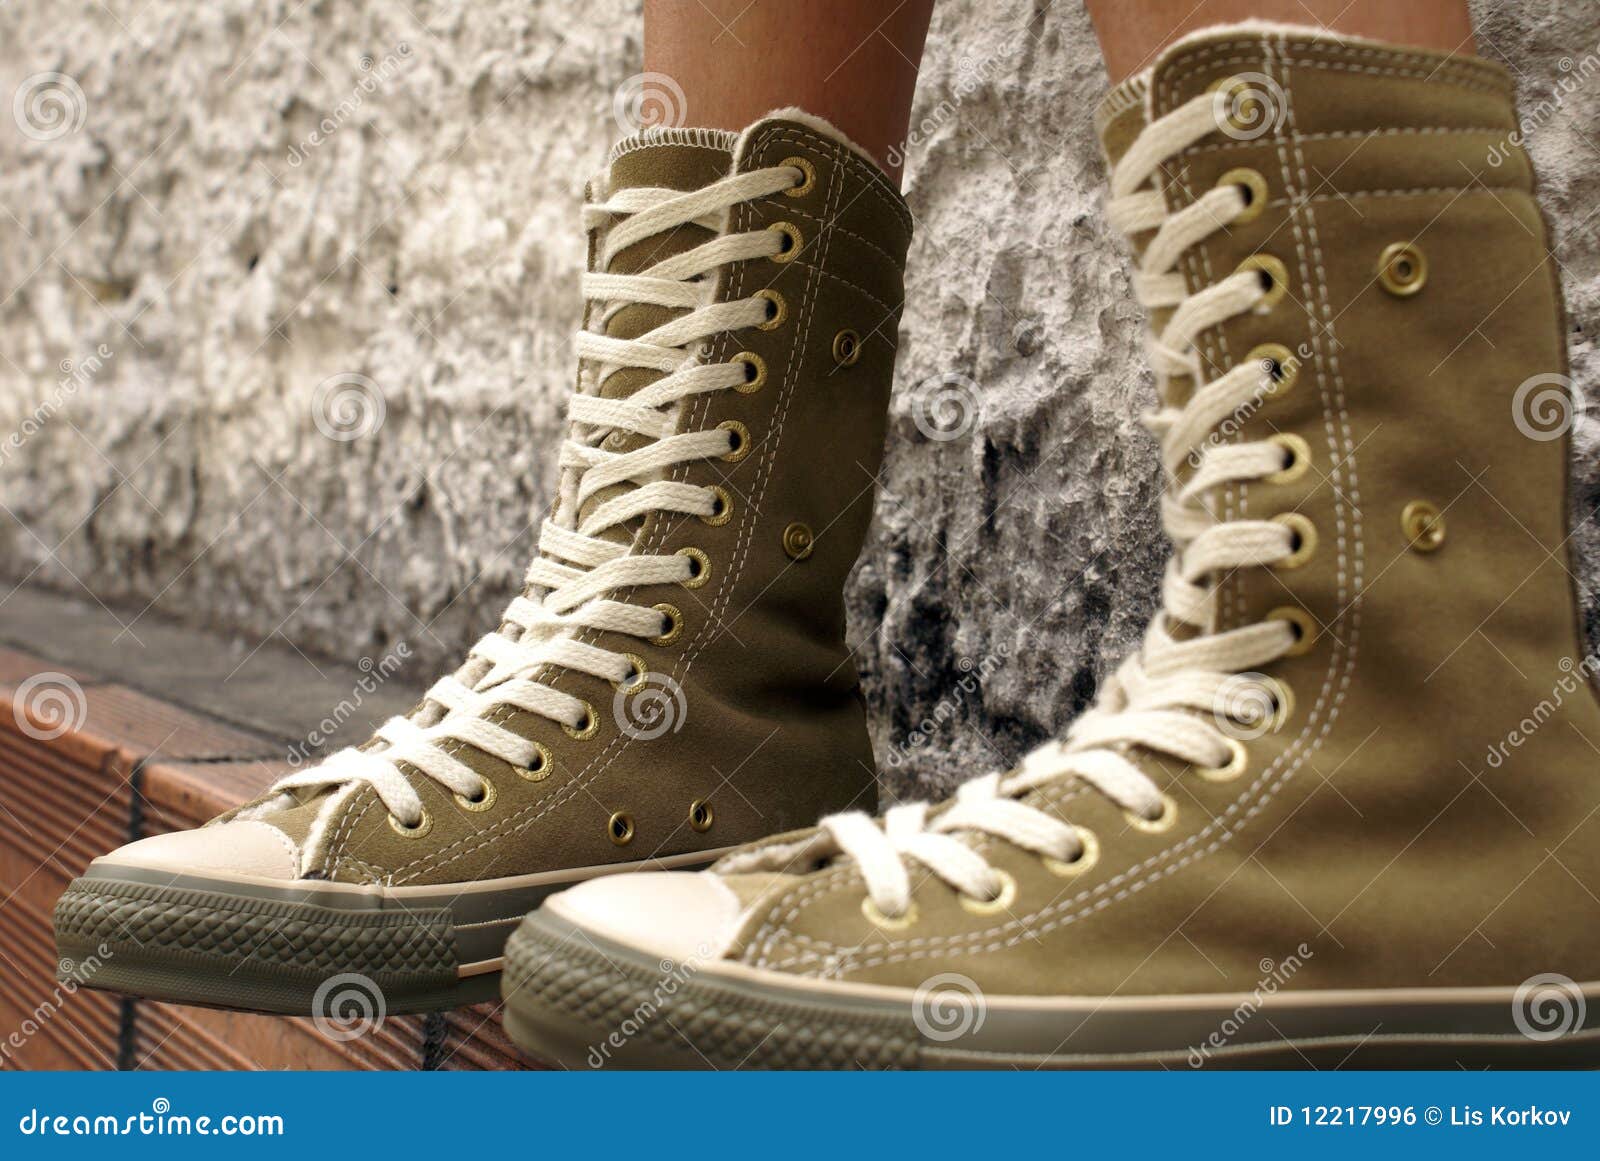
(1163, 698)
(578, 567)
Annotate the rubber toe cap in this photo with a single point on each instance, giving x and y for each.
(679, 915)
(239, 847)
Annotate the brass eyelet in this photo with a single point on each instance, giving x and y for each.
(777, 311)
(1277, 363)
(619, 828)
(1273, 273)
(424, 825)
(1237, 113)
(1298, 453)
(722, 507)
(1305, 536)
(888, 922)
(1238, 761)
(484, 801)
(798, 541)
(1254, 186)
(1282, 701)
(637, 670)
(847, 348)
(699, 568)
(738, 438)
(809, 180)
(1162, 822)
(792, 242)
(588, 725)
(1402, 269)
(1303, 624)
(701, 815)
(539, 769)
(1423, 526)
(755, 373)
(1002, 901)
(674, 629)
(1088, 856)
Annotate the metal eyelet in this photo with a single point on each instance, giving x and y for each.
(1274, 276)
(701, 816)
(1298, 453)
(699, 568)
(1162, 822)
(1282, 701)
(1278, 364)
(484, 801)
(539, 769)
(798, 541)
(1088, 856)
(1004, 898)
(847, 348)
(792, 242)
(777, 311)
(1423, 526)
(588, 725)
(1247, 107)
(637, 670)
(1402, 269)
(738, 439)
(755, 373)
(1303, 624)
(888, 922)
(722, 507)
(619, 828)
(1305, 539)
(424, 825)
(674, 628)
(1238, 761)
(809, 179)
(1255, 188)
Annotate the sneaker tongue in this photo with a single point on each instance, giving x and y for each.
(678, 159)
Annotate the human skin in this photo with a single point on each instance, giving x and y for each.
(852, 62)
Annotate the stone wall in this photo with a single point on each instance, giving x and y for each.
(227, 220)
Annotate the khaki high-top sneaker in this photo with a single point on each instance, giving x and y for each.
(1343, 806)
(673, 681)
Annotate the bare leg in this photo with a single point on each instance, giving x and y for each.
(1132, 32)
(853, 62)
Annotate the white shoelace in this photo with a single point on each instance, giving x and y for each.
(1163, 698)
(577, 567)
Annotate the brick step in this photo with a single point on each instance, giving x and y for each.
(165, 727)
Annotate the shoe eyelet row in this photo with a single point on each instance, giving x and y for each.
(1002, 901)
(1161, 823)
(1088, 856)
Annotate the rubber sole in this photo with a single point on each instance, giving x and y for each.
(302, 948)
(581, 1001)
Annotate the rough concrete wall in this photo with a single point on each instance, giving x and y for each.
(194, 273)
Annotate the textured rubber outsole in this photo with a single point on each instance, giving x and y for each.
(205, 946)
(582, 1001)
